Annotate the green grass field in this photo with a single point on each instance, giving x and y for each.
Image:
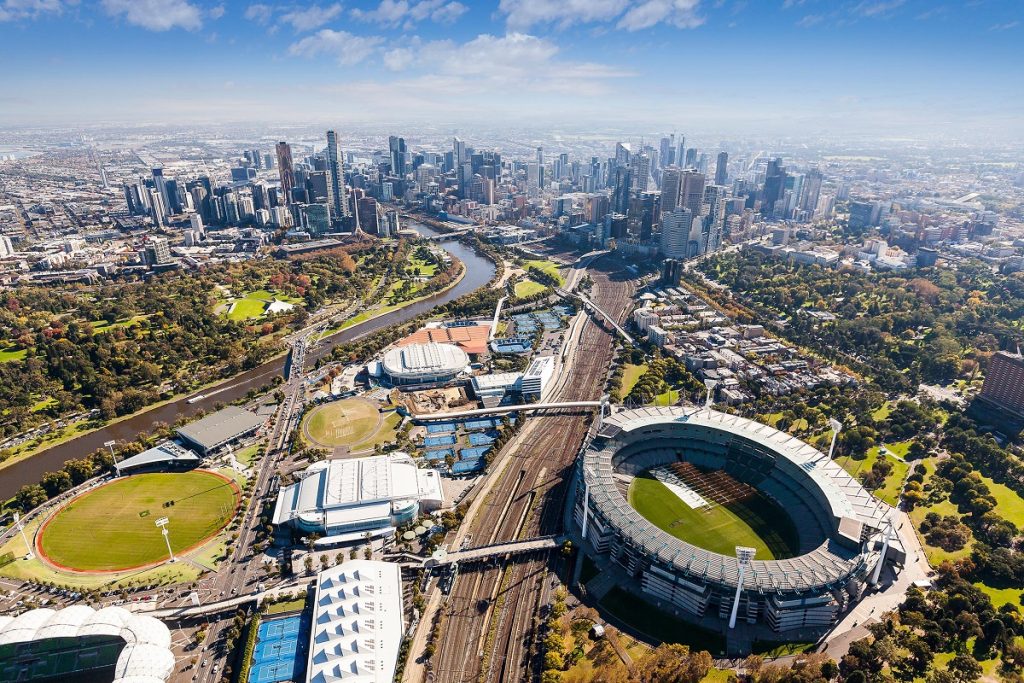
(246, 309)
(756, 523)
(12, 353)
(894, 481)
(549, 267)
(113, 527)
(343, 423)
(525, 288)
(631, 374)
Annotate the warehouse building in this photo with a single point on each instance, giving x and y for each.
(357, 623)
(220, 429)
(81, 643)
(344, 500)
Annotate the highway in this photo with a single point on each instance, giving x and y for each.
(488, 620)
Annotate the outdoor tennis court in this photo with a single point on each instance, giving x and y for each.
(280, 652)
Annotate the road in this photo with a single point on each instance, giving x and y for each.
(488, 620)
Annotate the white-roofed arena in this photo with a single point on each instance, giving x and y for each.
(417, 364)
(80, 641)
(708, 458)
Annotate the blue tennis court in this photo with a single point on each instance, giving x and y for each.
(473, 453)
(480, 439)
(280, 652)
(445, 440)
(474, 425)
(441, 428)
(467, 466)
(434, 456)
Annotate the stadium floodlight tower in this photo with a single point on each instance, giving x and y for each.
(110, 445)
(162, 523)
(837, 427)
(745, 556)
(710, 384)
(28, 546)
(887, 534)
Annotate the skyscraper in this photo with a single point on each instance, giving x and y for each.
(641, 171)
(336, 197)
(671, 180)
(691, 191)
(286, 171)
(722, 168)
(675, 233)
(620, 195)
(774, 186)
(399, 155)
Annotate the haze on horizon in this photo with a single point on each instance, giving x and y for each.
(886, 68)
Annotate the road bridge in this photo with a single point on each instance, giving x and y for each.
(494, 321)
(590, 305)
(496, 550)
(521, 407)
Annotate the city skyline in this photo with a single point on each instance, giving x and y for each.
(895, 68)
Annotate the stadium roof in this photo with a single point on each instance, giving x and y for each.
(357, 623)
(146, 658)
(221, 427)
(164, 452)
(824, 566)
(425, 359)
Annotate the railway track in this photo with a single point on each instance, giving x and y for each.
(488, 625)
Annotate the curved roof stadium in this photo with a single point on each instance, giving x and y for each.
(138, 647)
(424, 363)
(834, 515)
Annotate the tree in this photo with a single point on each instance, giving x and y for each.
(964, 668)
(56, 483)
(674, 664)
(30, 496)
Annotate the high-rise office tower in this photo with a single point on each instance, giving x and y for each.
(623, 153)
(680, 156)
(808, 201)
(620, 194)
(691, 158)
(336, 196)
(665, 158)
(399, 155)
(675, 233)
(722, 168)
(286, 171)
(691, 191)
(671, 181)
(774, 186)
(641, 171)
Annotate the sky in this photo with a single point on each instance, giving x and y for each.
(912, 68)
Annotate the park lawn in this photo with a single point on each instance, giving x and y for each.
(343, 423)
(104, 326)
(757, 523)
(894, 481)
(882, 412)
(427, 269)
(246, 309)
(655, 623)
(12, 353)
(43, 404)
(936, 556)
(549, 267)
(247, 455)
(296, 605)
(525, 288)
(1009, 505)
(631, 374)
(120, 518)
(668, 398)
(1001, 596)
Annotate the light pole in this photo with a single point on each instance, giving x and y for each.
(162, 523)
(710, 384)
(17, 520)
(837, 427)
(110, 445)
(745, 557)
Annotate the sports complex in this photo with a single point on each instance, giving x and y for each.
(119, 521)
(355, 423)
(729, 520)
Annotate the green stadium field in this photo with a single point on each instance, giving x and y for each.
(112, 528)
(342, 423)
(756, 523)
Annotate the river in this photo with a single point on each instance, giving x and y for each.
(479, 271)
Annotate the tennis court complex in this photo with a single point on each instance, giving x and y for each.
(280, 653)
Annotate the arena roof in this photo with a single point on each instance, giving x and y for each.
(470, 338)
(164, 452)
(220, 427)
(357, 623)
(852, 506)
(425, 360)
(146, 657)
(337, 492)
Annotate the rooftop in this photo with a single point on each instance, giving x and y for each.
(220, 427)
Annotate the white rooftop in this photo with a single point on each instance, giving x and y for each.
(357, 623)
(425, 359)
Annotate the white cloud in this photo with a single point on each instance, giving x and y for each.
(15, 10)
(1005, 27)
(156, 15)
(346, 48)
(312, 17)
(678, 13)
(395, 12)
(259, 13)
(523, 14)
(217, 12)
(810, 20)
(398, 59)
(875, 8)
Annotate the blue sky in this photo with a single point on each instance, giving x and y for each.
(896, 67)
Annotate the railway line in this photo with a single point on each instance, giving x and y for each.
(488, 624)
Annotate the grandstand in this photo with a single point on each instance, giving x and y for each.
(724, 467)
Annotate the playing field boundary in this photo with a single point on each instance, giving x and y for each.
(308, 419)
(46, 559)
